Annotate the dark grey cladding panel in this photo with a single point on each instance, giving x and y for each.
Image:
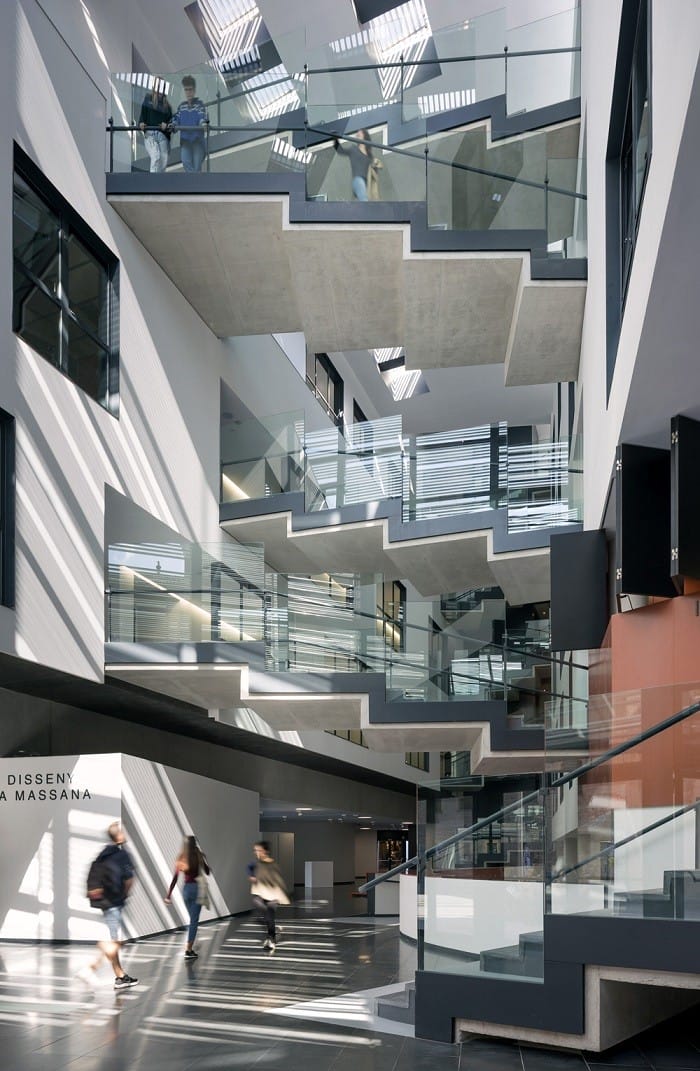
(555, 1004)
(685, 500)
(372, 9)
(643, 521)
(640, 943)
(578, 590)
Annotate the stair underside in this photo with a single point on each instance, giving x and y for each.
(247, 270)
(433, 565)
(223, 688)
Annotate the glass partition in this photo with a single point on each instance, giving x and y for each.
(537, 484)
(454, 472)
(361, 463)
(623, 837)
(442, 474)
(262, 457)
(179, 592)
(481, 903)
(536, 81)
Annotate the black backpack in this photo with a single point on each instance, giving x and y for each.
(105, 874)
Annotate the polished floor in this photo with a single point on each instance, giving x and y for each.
(308, 1007)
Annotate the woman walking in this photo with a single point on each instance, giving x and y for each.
(192, 863)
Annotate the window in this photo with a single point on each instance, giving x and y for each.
(628, 155)
(417, 759)
(7, 509)
(358, 417)
(326, 384)
(392, 613)
(65, 303)
(353, 736)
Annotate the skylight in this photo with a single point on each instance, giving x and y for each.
(391, 364)
(406, 32)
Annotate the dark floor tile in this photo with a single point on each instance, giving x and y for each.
(626, 1055)
(669, 1053)
(543, 1060)
(482, 1054)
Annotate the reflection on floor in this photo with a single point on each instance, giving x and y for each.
(305, 1008)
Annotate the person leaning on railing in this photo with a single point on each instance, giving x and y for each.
(190, 121)
(154, 121)
(363, 165)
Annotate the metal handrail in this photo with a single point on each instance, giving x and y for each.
(392, 65)
(540, 793)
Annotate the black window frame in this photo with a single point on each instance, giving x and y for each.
(7, 509)
(334, 406)
(70, 224)
(625, 183)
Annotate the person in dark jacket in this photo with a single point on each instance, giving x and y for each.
(191, 120)
(267, 890)
(118, 868)
(361, 160)
(154, 121)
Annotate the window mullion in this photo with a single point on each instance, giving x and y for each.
(63, 294)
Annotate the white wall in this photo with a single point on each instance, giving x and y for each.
(675, 43)
(53, 829)
(162, 452)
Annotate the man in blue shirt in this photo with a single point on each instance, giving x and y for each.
(191, 120)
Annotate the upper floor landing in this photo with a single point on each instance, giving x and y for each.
(469, 247)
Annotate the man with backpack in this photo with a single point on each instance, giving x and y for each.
(109, 882)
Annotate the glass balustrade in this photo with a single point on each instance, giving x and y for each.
(618, 839)
(344, 623)
(390, 78)
(553, 73)
(480, 896)
(361, 463)
(442, 474)
(262, 457)
(623, 837)
(179, 592)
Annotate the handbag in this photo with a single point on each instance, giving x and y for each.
(269, 892)
(203, 890)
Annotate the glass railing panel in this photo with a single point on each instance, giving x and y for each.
(363, 463)
(482, 896)
(450, 473)
(566, 212)
(392, 175)
(177, 592)
(538, 487)
(623, 837)
(537, 81)
(474, 196)
(456, 79)
(262, 457)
